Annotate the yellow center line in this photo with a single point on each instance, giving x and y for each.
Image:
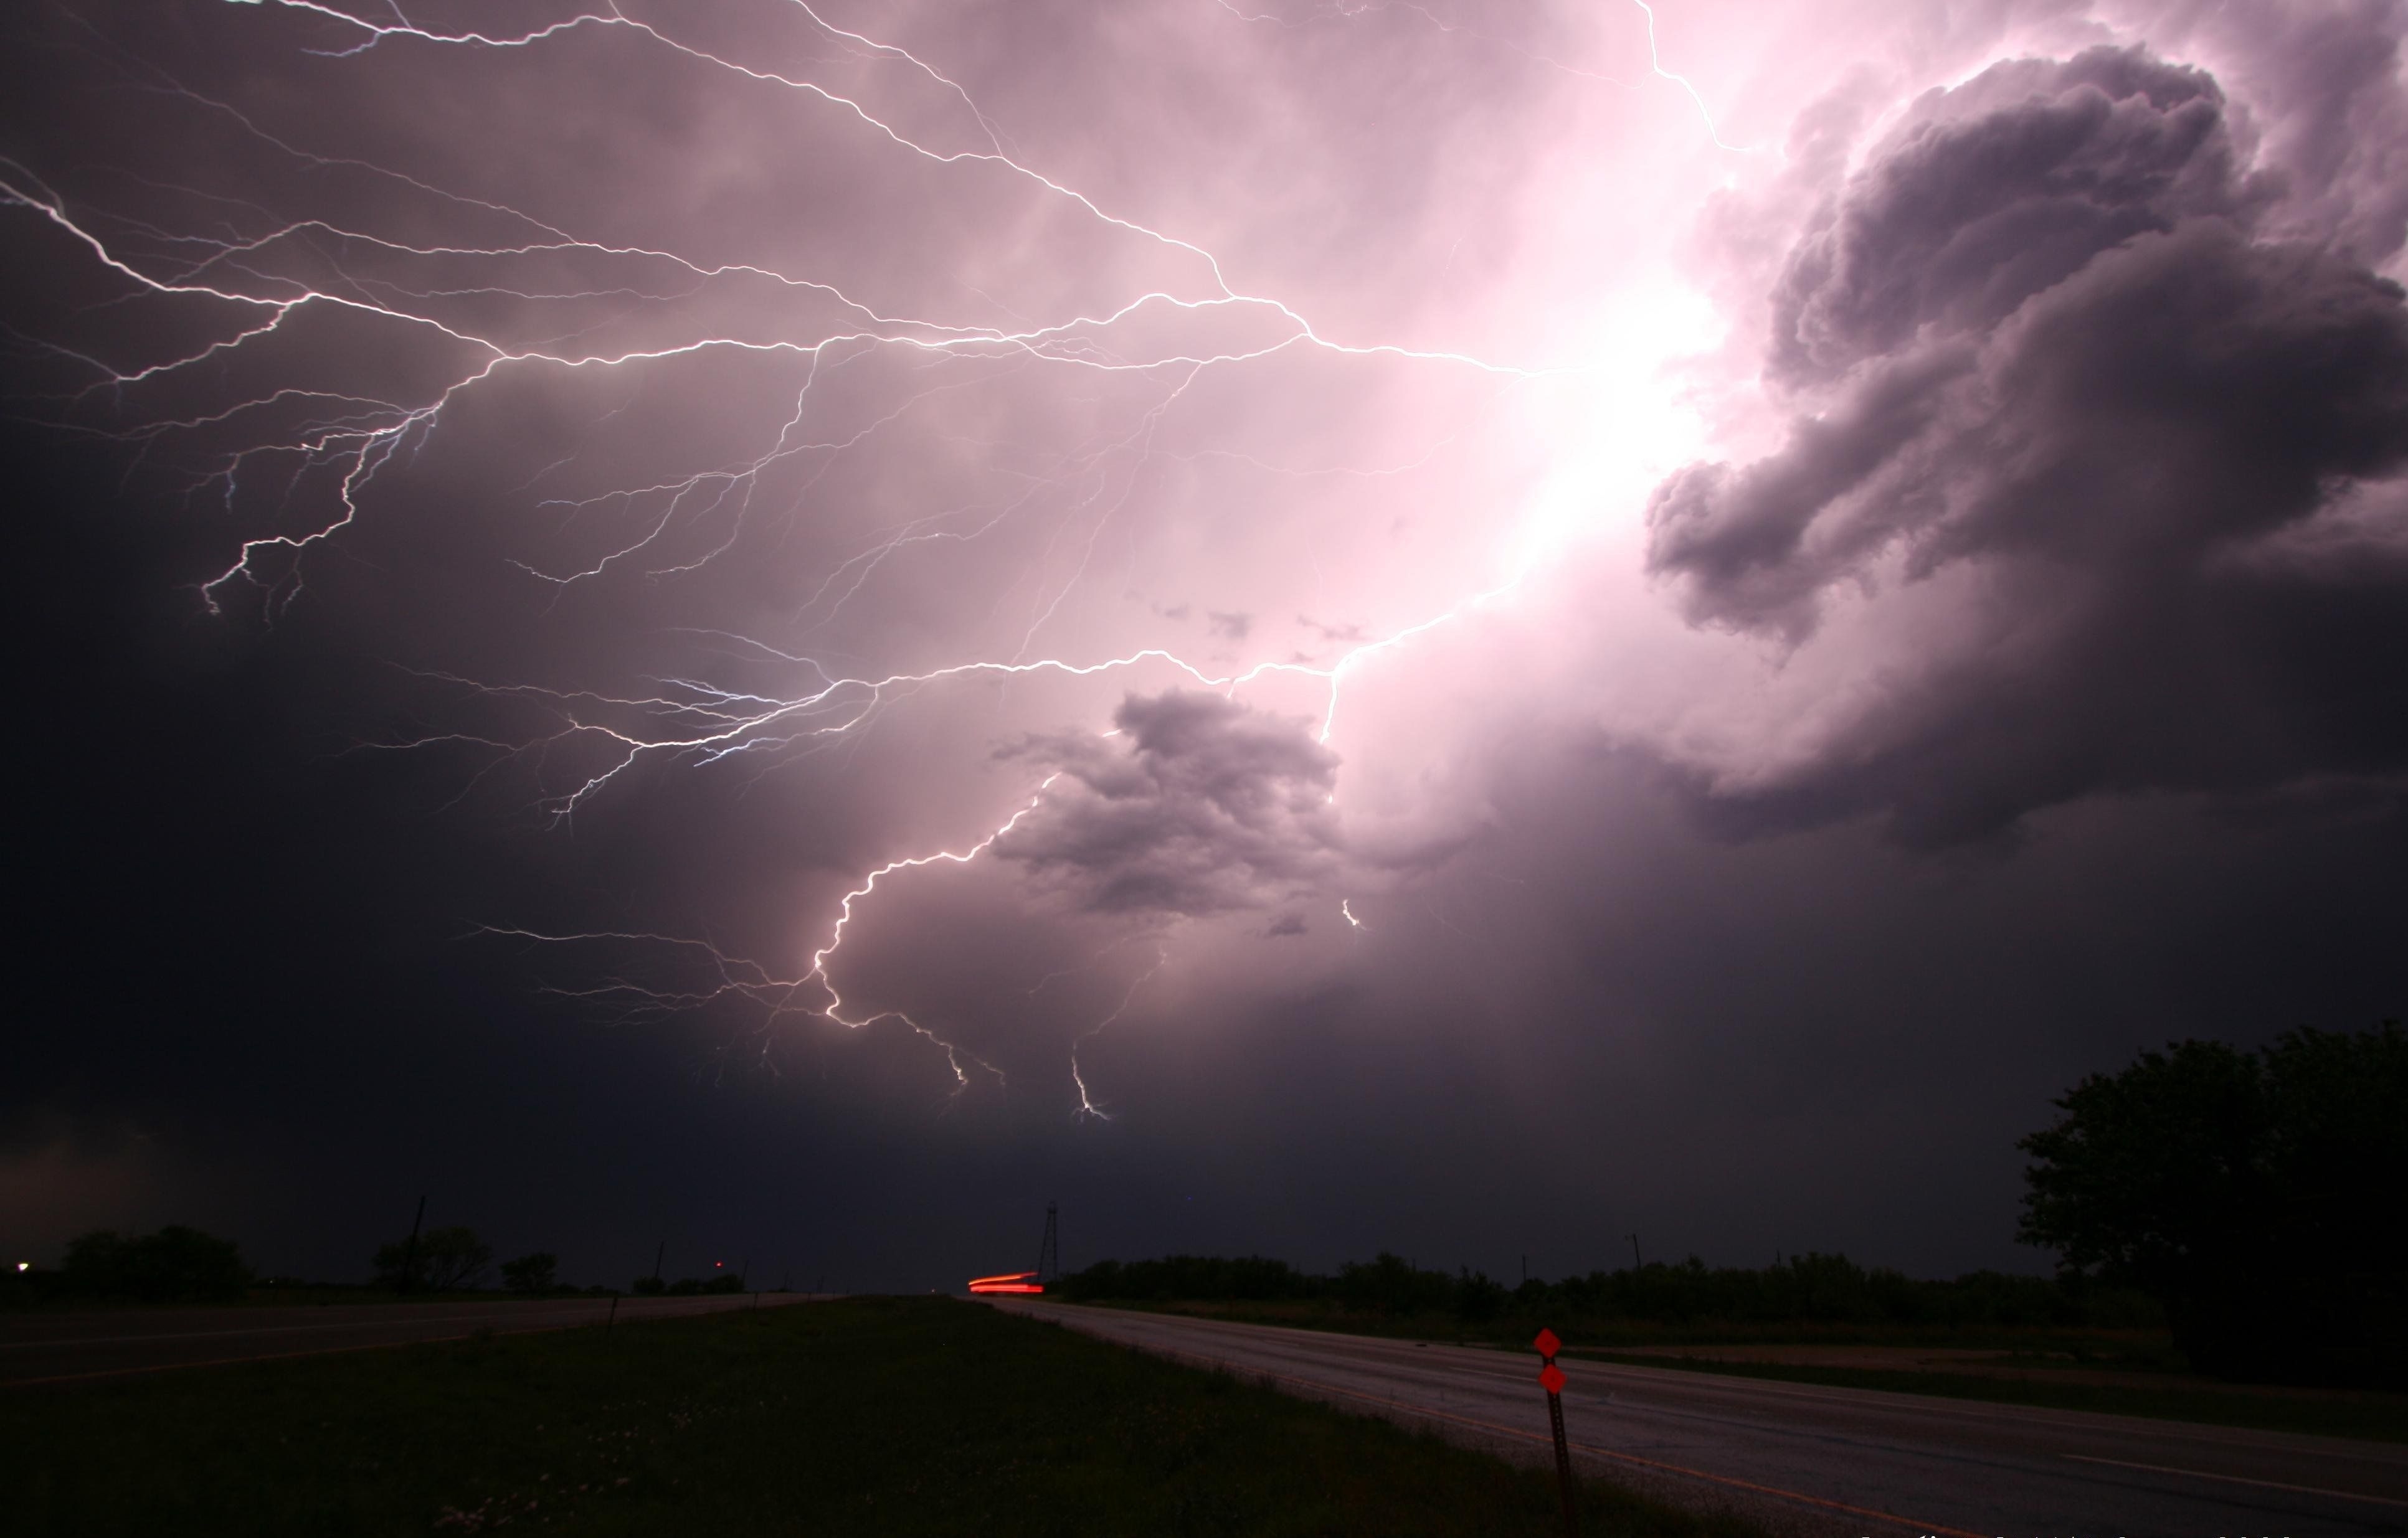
(2236, 1479)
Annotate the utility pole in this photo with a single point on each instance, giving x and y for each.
(658, 1256)
(1048, 1253)
(1525, 1271)
(1636, 1262)
(410, 1256)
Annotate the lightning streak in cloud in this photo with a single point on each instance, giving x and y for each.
(1656, 62)
(254, 274)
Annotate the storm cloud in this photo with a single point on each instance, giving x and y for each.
(2051, 357)
(1509, 622)
(1194, 805)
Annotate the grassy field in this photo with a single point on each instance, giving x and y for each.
(869, 1416)
(2180, 1395)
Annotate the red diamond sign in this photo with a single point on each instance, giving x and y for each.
(1551, 1378)
(1547, 1345)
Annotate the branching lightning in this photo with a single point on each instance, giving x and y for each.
(249, 269)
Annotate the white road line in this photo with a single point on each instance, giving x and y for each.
(1922, 1406)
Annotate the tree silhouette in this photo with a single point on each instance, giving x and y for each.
(2255, 1193)
(176, 1264)
(448, 1257)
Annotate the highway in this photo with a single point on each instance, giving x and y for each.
(46, 1347)
(1806, 1459)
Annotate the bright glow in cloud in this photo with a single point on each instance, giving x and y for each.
(1131, 481)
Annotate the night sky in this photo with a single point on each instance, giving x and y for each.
(1462, 629)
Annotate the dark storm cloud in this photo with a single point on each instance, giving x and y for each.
(2051, 352)
(1993, 192)
(1196, 806)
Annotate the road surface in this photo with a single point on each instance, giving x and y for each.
(1804, 1458)
(45, 1347)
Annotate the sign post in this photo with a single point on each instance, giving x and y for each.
(1551, 1378)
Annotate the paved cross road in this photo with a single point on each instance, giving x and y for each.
(42, 1347)
(1804, 1458)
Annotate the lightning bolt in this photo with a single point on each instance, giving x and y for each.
(1087, 1106)
(245, 273)
(1655, 62)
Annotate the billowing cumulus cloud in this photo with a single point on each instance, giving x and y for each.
(1997, 190)
(1195, 805)
(2044, 345)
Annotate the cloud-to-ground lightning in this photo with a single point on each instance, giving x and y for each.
(258, 276)
(1087, 1106)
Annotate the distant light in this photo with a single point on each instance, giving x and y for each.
(25, 1265)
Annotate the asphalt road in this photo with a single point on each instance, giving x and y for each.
(46, 1347)
(1804, 1458)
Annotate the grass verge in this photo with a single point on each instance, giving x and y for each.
(867, 1415)
(2374, 1416)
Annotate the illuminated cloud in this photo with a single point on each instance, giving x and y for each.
(2058, 346)
(1197, 806)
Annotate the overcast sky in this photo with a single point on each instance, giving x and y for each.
(1466, 629)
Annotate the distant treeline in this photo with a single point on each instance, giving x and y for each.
(184, 1265)
(1823, 1289)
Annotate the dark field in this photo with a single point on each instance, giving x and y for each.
(871, 1415)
